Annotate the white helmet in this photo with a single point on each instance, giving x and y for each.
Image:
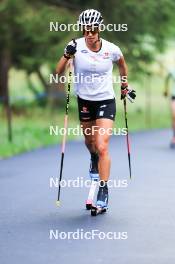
(90, 17)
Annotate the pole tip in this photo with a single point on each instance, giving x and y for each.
(57, 203)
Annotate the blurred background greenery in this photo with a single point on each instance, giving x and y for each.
(29, 52)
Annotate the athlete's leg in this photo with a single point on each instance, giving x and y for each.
(88, 135)
(93, 171)
(102, 142)
(90, 143)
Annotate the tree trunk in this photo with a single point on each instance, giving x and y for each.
(4, 68)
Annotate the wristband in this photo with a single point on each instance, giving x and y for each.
(124, 84)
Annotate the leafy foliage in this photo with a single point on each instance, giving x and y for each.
(24, 29)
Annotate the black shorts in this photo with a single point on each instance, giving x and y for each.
(173, 98)
(92, 110)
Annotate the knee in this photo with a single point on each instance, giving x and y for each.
(102, 149)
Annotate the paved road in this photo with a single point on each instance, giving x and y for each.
(145, 209)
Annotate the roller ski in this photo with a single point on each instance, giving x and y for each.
(94, 175)
(102, 201)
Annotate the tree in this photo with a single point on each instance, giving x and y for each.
(150, 25)
(26, 42)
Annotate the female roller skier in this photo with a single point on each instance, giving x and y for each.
(93, 58)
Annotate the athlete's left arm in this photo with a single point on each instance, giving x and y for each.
(123, 69)
(125, 91)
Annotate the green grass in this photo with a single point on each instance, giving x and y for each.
(31, 123)
(31, 130)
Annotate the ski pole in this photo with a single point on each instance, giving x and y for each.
(127, 137)
(64, 136)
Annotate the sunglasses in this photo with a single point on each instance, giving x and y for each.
(93, 30)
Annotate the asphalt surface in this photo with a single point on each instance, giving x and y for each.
(143, 213)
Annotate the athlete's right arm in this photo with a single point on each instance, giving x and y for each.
(61, 65)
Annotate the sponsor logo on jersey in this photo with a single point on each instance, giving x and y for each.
(106, 55)
(84, 51)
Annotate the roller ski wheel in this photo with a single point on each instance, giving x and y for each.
(95, 210)
(88, 204)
